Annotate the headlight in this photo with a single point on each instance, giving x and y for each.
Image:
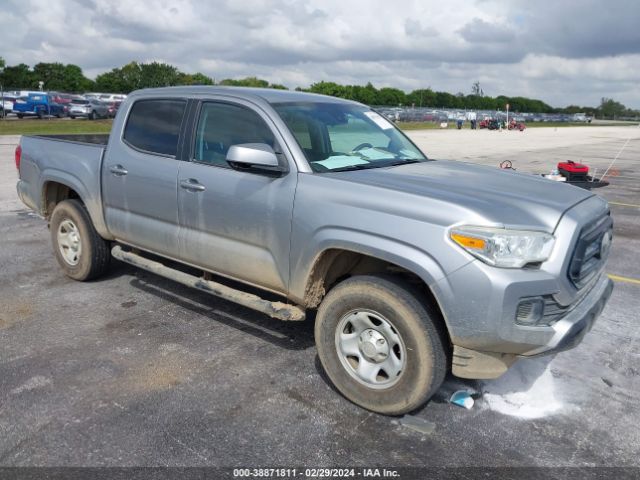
(504, 248)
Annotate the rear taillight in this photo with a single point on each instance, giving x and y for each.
(18, 156)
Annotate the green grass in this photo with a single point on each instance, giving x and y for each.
(424, 125)
(466, 126)
(33, 126)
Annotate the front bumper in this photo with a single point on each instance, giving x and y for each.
(563, 335)
(570, 330)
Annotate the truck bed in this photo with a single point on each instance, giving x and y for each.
(71, 160)
(91, 138)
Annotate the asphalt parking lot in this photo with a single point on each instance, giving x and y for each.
(137, 370)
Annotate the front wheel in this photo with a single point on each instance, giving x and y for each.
(79, 249)
(380, 344)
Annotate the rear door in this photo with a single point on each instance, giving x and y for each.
(139, 179)
(236, 223)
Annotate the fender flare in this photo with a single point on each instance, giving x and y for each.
(92, 200)
(404, 255)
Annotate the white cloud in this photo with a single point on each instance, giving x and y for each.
(561, 52)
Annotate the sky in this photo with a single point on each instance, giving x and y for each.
(560, 51)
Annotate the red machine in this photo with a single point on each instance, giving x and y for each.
(573, 171)
(513, 125)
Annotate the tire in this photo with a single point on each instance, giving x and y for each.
(20, 115)
(40, 114)
(408, 326)
(92, 115)
(72, 117)
(71, 225)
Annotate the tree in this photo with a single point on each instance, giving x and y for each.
(75, 81)
(18, 77)
(391, 96)
(194, 79)
(422, 97)
(254, 82)
(609, 108)
(328, 88)
(157, 74)
(476, 90)
(246, 82)
(120, 80)
(367, 94)
(52, 74)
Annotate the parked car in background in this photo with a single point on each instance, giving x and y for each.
(7, 105)
(90, 108)
(106, 97)
(39, 104)
(112, 97)
(62, 98)
(113, 109)
(21, 93)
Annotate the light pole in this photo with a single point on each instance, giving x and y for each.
(4, 113)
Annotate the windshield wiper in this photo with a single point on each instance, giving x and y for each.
(402, 162)
(358, 166)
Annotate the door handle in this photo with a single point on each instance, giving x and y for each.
(118, 170)
(192, 185)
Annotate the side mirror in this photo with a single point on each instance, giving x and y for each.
(254, 156)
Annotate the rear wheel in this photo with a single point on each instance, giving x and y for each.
(79, 249)
(92, 115)
(380, 344)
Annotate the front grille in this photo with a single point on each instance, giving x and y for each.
(590, 253)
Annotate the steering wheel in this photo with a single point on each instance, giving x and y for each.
(361, 146)
(506, 165)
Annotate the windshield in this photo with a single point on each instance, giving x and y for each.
(338, 136)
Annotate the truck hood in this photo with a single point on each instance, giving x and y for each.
(503, 197)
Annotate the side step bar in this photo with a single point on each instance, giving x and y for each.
(279, 310)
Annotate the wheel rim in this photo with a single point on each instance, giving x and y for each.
(69, 242)
(370, 349)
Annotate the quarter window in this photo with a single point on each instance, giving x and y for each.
(223, 125)
(154, 125)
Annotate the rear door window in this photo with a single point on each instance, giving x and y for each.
(154, 126)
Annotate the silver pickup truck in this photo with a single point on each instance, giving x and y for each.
(321, 207)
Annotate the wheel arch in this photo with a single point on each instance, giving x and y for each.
(337, 263)
(59, 186)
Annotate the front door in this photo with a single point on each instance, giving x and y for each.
(235, 223)
(139, 178)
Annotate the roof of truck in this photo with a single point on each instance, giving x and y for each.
(270, 95)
